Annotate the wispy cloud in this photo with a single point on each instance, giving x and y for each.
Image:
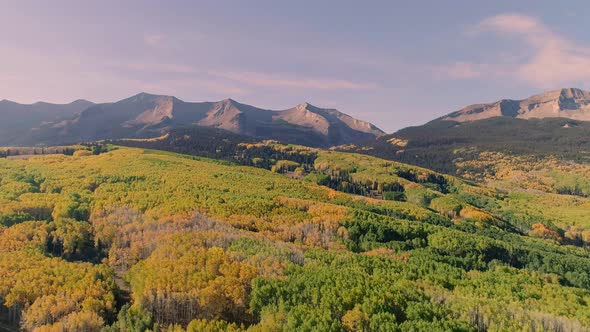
(170, 68)
(208, 88)
(242, 79)
(153, 39)
(458, 70)
(556, 60)
(512, 23)
(551, 59)
(284, 81)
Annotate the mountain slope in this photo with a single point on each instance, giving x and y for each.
(135, 116)
(437, 145)
(526, 132)
(16, 118)
(568, 103)
(333, 125)
(145, 115)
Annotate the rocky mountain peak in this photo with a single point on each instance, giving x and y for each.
(571, 103)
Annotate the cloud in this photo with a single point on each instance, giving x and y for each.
(458, 70)
(178, 41)
(280, 81)
(515, 23)
(153, 39)
(550, 59)
(209, 88)
(171, 68)
(241, 79)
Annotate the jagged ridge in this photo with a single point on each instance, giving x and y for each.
(568, 103)
(145, 115)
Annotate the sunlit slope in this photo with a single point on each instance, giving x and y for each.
(213, 245)
(161, 184)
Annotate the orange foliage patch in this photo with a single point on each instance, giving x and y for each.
(542, 231)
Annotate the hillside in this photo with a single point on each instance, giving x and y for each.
(507, 146)
(323, 240)
(437, 145)
(145, 115)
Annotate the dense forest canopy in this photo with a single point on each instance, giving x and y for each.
(271, 237)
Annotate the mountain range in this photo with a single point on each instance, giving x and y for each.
(568, 103)
(146, 115)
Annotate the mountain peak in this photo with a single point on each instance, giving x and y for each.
(144, 97)
(571, 91)
(571, 103)
(81, 101)
(302, 106)
(559, 93)
(567, 92)
(229, 101)
(307, 106)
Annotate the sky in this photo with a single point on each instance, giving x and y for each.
(393, 63)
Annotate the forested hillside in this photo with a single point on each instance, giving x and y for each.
(439, 144)
(520, 157)
(133, 239)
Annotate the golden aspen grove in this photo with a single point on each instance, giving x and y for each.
(134, 239)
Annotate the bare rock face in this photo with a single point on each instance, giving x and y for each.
(568, 103)
(304, 115)
(332, 126)
(147, 115)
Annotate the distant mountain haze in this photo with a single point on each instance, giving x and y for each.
(568, 103)
(17, 119)
(147, 115)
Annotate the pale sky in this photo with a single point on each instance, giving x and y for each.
(393, 63)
